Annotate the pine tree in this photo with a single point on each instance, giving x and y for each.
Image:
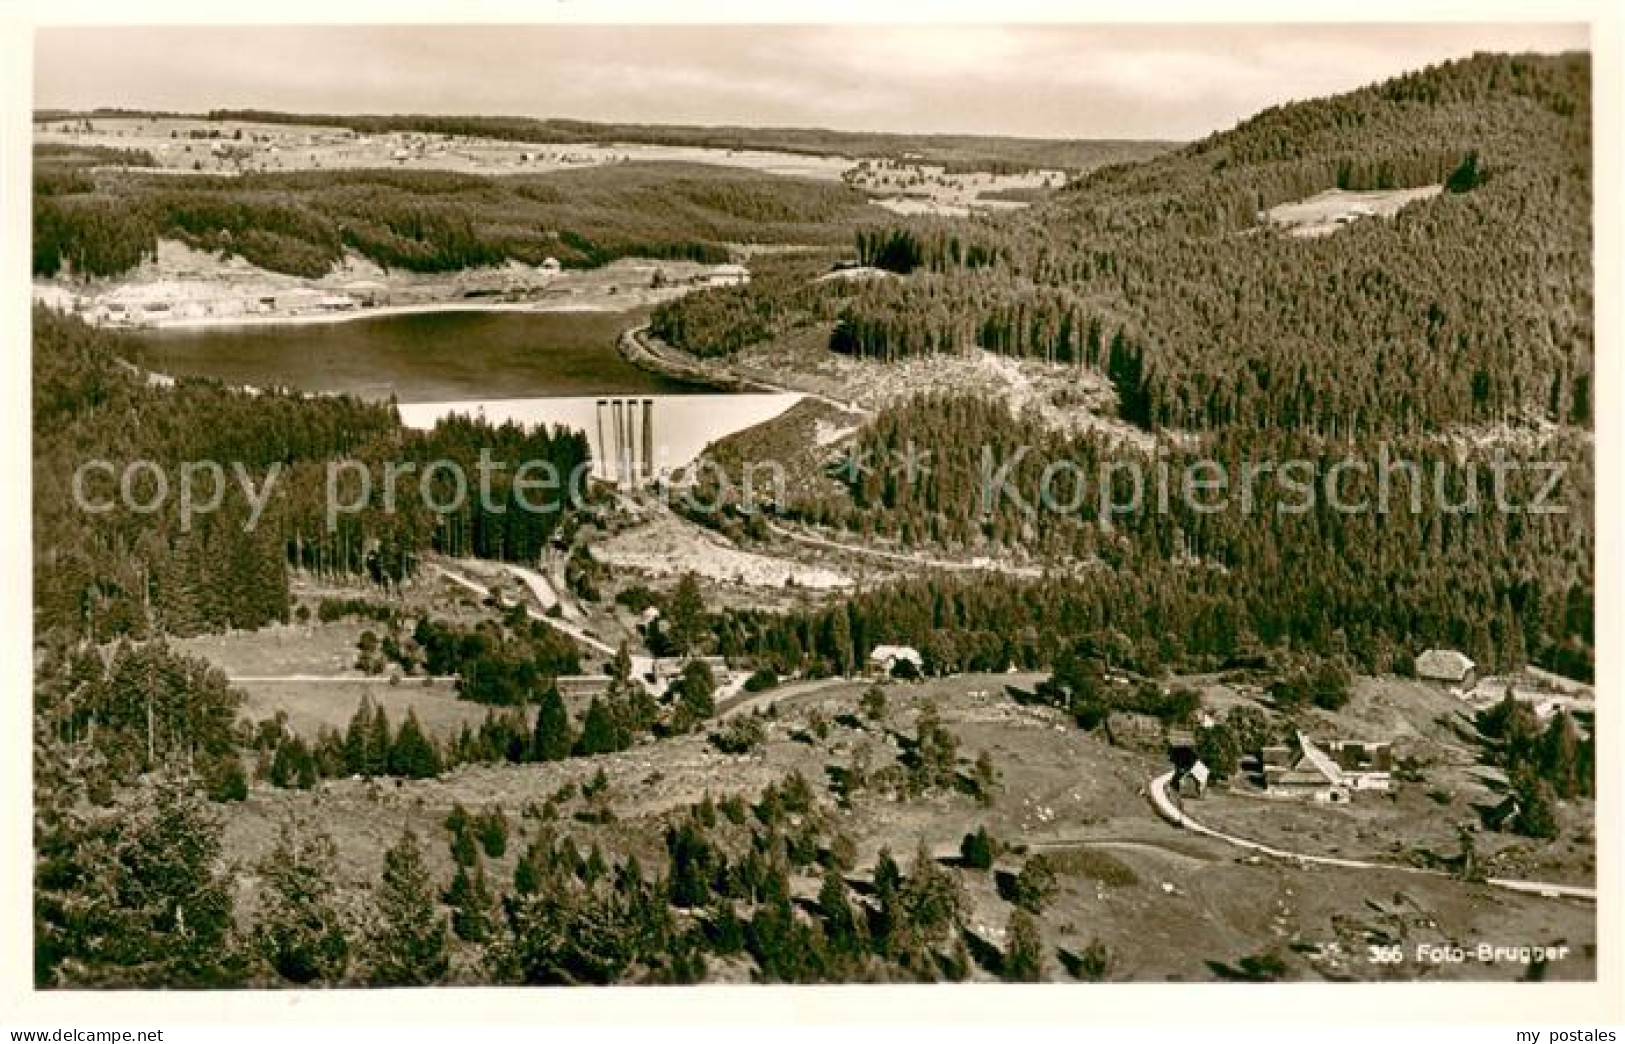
(297, 929)
(1559, 753)
(464, 851)
(985, 776)
(552, 738)
(472, 905)
(1023, 949)
(136, 898)
(598, 731)
(932, 898)
(229, 782)
(413, 754)
(378, 744)
(620, 668)
(685, 616)
(842, 928)
(284, 764)
(1217, 748)
(695, 687)
(976, 850)
(493, 831)
(1537, 806)
(1034, 885)
(407, 944)
(355, 738)
(305, 773)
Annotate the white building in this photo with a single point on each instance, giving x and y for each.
(885, 658)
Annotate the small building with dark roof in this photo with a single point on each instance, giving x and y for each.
(1447, 669)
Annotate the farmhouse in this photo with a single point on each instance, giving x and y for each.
(885, 658)
(1192, 782)
(665, 668)
(1312, 774)
(1366, 764)
(1446, 668)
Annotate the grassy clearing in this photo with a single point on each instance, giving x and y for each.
(1095, 865)
(283, 649)
(1165, 905)
(311, 706)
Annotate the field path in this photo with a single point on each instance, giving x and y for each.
(1169, 809)
(578, 633)
(757, 700)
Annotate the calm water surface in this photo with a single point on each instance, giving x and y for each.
(418, 357)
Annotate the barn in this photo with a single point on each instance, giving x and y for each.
(1448, 669)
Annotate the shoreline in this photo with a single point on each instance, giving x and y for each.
(351, 315)
(635, 349)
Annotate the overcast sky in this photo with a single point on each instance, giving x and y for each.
(1069, 81)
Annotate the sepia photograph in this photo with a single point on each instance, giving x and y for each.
(679, 505)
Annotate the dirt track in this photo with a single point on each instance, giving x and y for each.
(1169, 809)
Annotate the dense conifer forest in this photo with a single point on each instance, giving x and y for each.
(1278, 565)
(107, 573)
(1469, 308)
(93, 219)
(1416, 338)
(1455, 338)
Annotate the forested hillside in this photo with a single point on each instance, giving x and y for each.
(1274, 567)
(118, 571)
(102, 222)
(1456, 335)
(1468, 308)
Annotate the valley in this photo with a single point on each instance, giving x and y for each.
(935, 599)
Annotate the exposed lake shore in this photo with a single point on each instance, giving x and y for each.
(377, 312)
(183, 288)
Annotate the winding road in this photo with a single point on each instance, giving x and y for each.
(637, 350)
(578, 633)
(1169, 810)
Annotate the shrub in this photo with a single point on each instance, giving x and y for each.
(230, 782)
(1091, 965)
(740, 736)
(976, 850)
(493, 831)
(1033, 887)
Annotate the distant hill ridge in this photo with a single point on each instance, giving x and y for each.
(956, 151)
(1524, 110)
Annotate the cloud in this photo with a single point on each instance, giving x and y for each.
(1148, 81)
